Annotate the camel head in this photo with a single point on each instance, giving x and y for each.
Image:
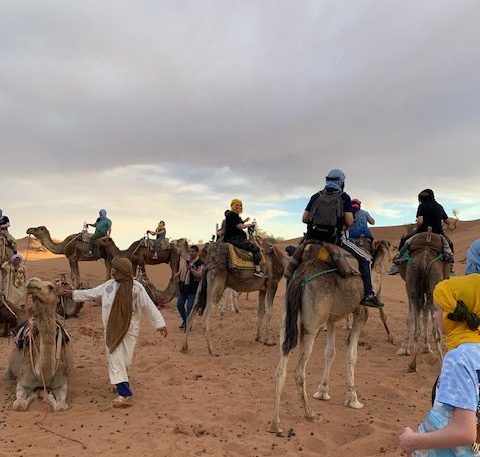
(181, 247)
(37, 231)
(44, 294)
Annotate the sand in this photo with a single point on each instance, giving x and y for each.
(193, 404)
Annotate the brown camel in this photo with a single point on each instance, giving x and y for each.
(218, 277)
(45, 356)
(317, 296)
(140, 254)
(73, 248)
(421, 273)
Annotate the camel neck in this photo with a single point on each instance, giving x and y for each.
(47, 330)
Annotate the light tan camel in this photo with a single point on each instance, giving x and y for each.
(73, 248)
(316, 297)
(44, 360)
(140, 255)
(421, 273)
(218, 276)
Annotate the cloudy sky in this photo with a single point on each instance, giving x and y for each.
(168, 109)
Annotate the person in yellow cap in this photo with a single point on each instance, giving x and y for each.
(450, 427)
(234, 233)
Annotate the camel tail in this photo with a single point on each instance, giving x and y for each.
(293, 306)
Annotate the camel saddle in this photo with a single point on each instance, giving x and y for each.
(242, 260)
(21, 333)
(334, 256)
(426, 240)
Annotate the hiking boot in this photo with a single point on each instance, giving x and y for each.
(371, 300)
(394, 270)
(259, 274)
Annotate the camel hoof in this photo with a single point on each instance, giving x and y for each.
(390, 340)
(274, 428)
(412, 368)
(354, 403)
(20, 405)
(427, 350)
(60, 407)
(325, 396)
(184, 349)
(403, 351)
(270, 343)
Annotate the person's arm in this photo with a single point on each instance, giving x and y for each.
(419, 222)
(242, 226)
(154, 315)
(461, 431)
(109, 231)
(370, 219)
(196, 272)
(6, 225)
(85, 294)
(348, 218)
(305, 217)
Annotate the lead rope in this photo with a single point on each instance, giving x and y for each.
(40, 422)
(28, 249)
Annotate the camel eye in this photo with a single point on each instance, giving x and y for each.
(50, 287)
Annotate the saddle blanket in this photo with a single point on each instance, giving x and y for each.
(240, 259)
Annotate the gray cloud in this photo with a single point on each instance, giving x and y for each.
(278, 92)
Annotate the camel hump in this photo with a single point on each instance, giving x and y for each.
(334, 256)
(426, 240)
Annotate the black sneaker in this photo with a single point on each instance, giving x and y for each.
(372, 301)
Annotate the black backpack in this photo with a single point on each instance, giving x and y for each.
(327, 215)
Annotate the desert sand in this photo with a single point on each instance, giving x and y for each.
(193, 404)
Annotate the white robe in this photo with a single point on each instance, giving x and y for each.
(121, 358)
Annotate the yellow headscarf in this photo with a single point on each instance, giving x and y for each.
(447, 295)
(234, 203)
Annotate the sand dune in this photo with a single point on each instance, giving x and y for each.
(194, 405)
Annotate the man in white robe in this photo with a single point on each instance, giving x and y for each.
(14, 278)
(120, 354)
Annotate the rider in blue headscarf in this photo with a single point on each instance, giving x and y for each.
(473, 258)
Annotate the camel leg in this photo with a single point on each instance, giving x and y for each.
(280, 375)
(108, 267)
(437, 337)
(383, 318)
(307, 342)
(214, 293)
(260, 315)
(74, 272)
(235, 307)
(359, 318)
(404, 348)
(24, 398)
(322, 392)
(413, 364)
(426, 346)
(57, 400)
(267, 327)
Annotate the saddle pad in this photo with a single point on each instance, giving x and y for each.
(240, 259)
(419, 241)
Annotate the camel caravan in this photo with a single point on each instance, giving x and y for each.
(335, 273)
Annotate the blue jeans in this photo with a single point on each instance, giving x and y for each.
(184, 297)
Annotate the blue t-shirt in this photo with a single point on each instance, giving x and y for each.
(360, 225)
(458, 387)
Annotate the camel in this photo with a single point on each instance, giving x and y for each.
(140, 255)
(43, 361)
(229, 300)
(421, 273)
(218, 277)
(73, 248)
(316, 296)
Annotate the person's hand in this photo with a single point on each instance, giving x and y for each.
(406, 441)
(163, 331)
(246, 220)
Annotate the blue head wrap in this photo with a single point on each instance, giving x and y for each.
(335, 180)
(103, 213)
(473, 258)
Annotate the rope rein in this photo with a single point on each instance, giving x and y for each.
(316, 275)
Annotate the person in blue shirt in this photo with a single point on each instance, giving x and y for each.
(103, 227)
(361, 220)
(473, 258)
(450, 428)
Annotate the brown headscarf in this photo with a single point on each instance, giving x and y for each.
(121, 312)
